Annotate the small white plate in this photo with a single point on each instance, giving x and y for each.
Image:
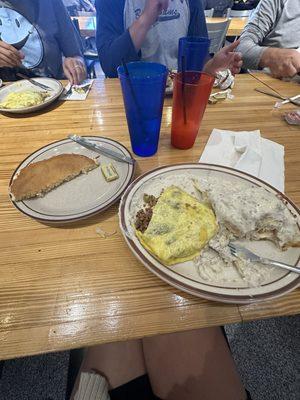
(22, 85)
(184, 276)
(1, 82)
(82, 197)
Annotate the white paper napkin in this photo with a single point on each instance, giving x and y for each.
(248, 152)
(79, 92)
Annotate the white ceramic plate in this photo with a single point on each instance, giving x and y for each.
(185, 276)
(82, 197)
(22, 85)
(1, 83)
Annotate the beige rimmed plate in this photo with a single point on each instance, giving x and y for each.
(82, 197)
(184, 276)
(22, 85)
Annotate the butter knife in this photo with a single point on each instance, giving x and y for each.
(99, 148)
(35, 83)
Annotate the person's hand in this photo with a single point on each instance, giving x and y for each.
(9, 56)
(153, 9)
(226, 58)
(74, 70)
(283, 63)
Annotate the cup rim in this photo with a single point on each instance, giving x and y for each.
(157, 75)
(197, 72)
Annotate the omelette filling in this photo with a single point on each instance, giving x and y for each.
(179, 228)
(26, 98)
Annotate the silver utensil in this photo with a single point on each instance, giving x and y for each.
(69, 91)
(35, 83)
(98, 148)
(279, 95)
(294, 100)
(237, 251)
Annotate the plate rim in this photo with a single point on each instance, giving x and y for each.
(71, 219)
(224, 298)
(26, 110)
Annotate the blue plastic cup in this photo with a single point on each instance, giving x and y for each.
(195, 50)
(143, 94)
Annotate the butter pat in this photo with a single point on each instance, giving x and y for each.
(109, 172)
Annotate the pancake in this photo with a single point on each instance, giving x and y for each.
(38, 178)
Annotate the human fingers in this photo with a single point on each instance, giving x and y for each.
(68, 72)
(79, 70)
(82, 73)
(231, 47)
(11, 53)
(296, 61)
(288, 68)
(5, 61)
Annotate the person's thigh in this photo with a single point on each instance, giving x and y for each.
(192, 365)
(118, 362)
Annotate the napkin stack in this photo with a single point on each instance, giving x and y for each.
(247, 152)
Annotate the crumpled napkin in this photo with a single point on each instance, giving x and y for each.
(293, 117)
(224, 80)
(247, 151)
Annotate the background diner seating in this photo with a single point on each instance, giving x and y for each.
(209, 13)
(217, 33)
(240, 13)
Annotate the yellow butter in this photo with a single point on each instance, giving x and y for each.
(109, 172)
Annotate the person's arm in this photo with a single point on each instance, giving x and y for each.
(70, 45)
(67, 37)
(141, 26)
(197, 26)
(252, 37)
(114, 43)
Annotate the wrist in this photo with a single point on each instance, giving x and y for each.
(209, 68)
(144, 22)
(267, 56)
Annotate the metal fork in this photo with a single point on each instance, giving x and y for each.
(238, 251)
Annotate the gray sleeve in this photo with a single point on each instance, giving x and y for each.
(261, 23)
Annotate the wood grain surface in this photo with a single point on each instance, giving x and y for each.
(87, 25)
(62, 288)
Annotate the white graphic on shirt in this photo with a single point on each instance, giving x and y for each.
(16, 30)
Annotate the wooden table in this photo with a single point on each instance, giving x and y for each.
(236, 25)
(63, 288)
(87, 25)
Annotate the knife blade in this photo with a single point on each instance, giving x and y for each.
(33, 82)
(98, 148)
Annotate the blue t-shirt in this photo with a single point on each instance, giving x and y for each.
(43, 31)
(114, 43)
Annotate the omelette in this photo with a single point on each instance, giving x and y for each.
(26, 98)
(179, 228)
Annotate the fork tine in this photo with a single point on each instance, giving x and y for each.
(232, 249)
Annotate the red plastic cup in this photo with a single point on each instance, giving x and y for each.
(189, 103)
